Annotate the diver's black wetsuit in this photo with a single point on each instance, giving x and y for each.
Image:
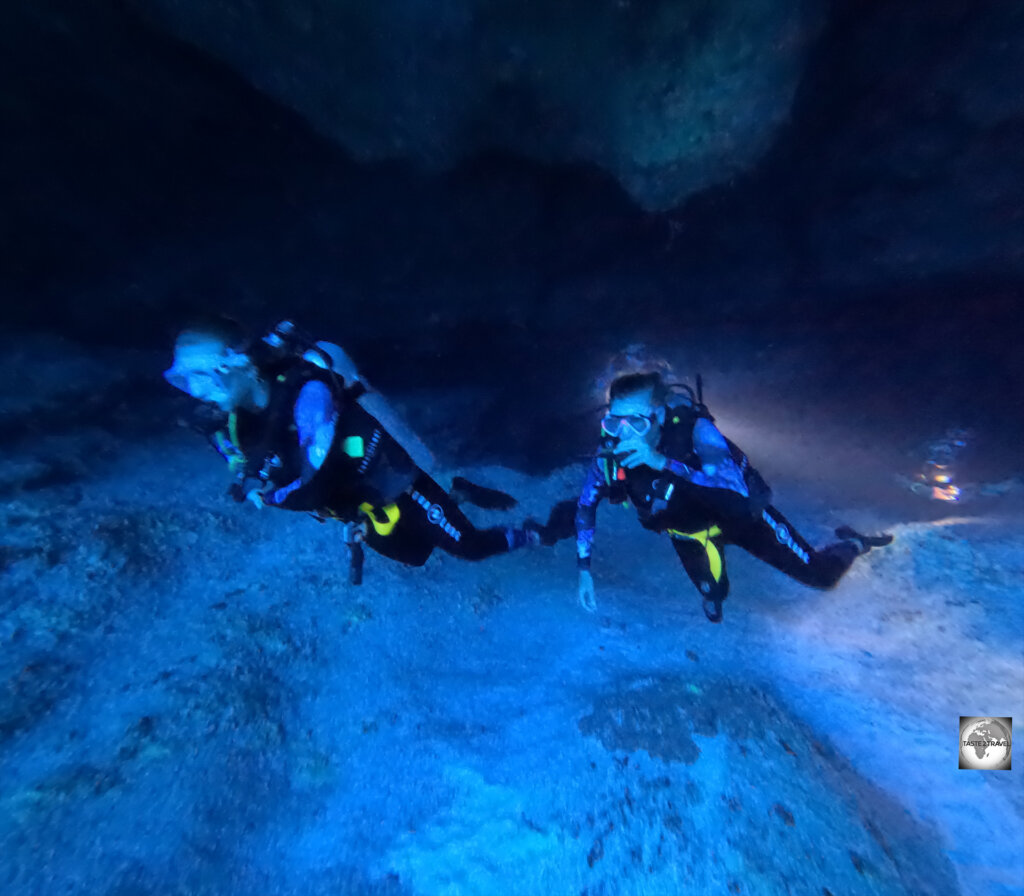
(365, 474)
(703, 508)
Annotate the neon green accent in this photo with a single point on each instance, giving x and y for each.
(704, 537)
(675, 419)
(228, 445)
(701, 536)
(353, 446)
(391, 514)
(714, 560)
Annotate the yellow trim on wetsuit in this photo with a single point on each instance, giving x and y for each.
(382, 527)
(704, 537)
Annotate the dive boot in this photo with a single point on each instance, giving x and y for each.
(713, 609)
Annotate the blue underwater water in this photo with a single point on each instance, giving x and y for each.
(496, 207)
(197, 701)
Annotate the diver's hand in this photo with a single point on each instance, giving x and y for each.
(586, 591)
(256, 495)
(635, 452)
(249, 490)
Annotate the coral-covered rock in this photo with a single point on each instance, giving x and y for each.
(669, 97)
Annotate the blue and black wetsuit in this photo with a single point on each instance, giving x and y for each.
(708, 496)
(314, 448)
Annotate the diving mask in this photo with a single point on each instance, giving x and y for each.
(626, 426)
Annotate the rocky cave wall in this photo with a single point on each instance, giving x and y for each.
(667, 96)
(826, 150)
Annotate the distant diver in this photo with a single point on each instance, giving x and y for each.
(662, 452)
(301, 430)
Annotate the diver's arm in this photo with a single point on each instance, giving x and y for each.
(594, 488)
(717, 469)
(224, 445)
(586, 513)
(315, 418)
(727, 485)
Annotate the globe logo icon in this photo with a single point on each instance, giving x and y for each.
(985, 743)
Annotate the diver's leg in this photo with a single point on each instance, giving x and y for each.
(561, 523)
(703, 558)
(445, 526)
(405, 541)
(772, 538)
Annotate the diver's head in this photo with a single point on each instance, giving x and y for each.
(209, 366)
(636, 408)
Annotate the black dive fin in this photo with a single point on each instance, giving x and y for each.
(867, 542)
(562, 521)
(480, 496)
(561, 524)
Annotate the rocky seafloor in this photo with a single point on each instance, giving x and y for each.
(195, 700)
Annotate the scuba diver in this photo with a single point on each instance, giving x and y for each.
(662, 452)
(301, 430)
